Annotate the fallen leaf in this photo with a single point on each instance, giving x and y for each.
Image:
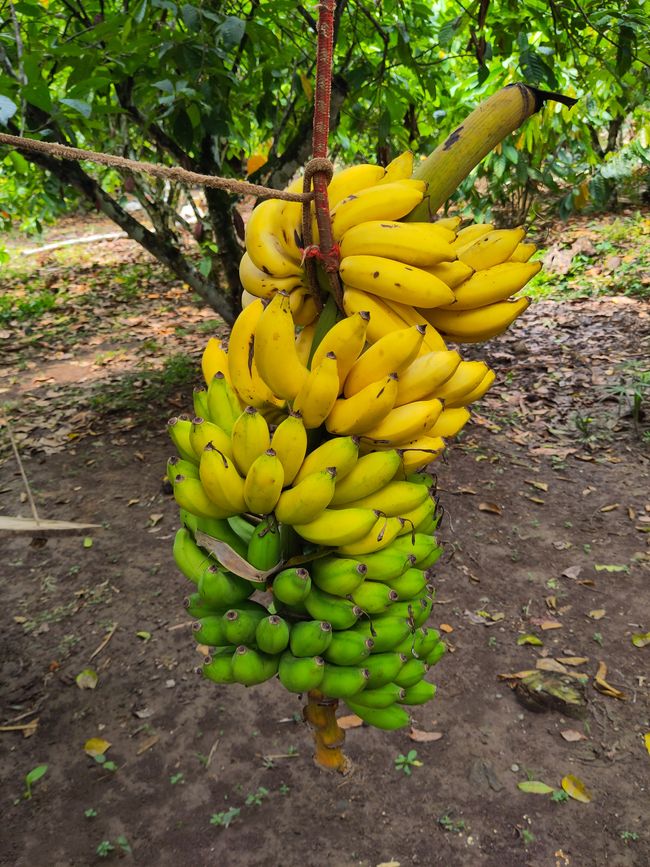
(133, 502)
(537, 500)
(576, 789)
(86, 679)
(20, 619)
(572, 572)
(541, 486)
(530, 639)
(490, 507)
(88, 542)
(96, 747)
(156, 518)
(424, 737)
(549, 624)
(602, 686)
(550, 665)
(641, 639)
(516, 675)
(613, 567)
(646, 741)
(351, 721)
(572, 660)
(597, 613)
(144, 635)
(609, 508)
(535, 787)
(465, 491)
(445, 627)
(572, 735)
(150, 742)
(389, 864)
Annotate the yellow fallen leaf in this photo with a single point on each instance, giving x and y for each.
(576, 789)
(550, 665)
(646, 741)
(572, 735)
(516, 675)
(639, 639)
(86, 679)
(96, 747)
(572, 660)
(597, 613)
(530, 639)
(445, 627)
(550, 624)
(602, 686)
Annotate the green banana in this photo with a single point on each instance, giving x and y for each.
(437, 653)
(409, 584)
(196, 607)
(223, 589)
(265, 546)
(291, 586)
(241, 623)
(383, 668)
(179, 432)
(251, 667)
(387, 631)
(310, 637)
(243, 528)
(412, 673)
(190, 559)
(223, 404)
(420, 643)
(427, 562)
(220, 529)
(341, 613)
(417, 609)
(387, 564)
(374, 597)
(381, 696)
(300, 675)
(338, 575)
(218, 667)
(200, 400)
(272, 634)
(387, 718)
(340, 681)
(210, 630)
(419, 545)
(178, 466)
(420, 693)
(348, 648)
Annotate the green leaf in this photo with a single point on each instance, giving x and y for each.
(86, 679)
(84, 108)
(191, 16)
(606, 567)
(144, 635)
(641, 639)
(88, 542)
(535, 787)
(232, 31)
(35, 774)
(530, 639)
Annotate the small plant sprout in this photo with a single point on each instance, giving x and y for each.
(105, 848)
(32, 777)
(90, 813)
(406, 763)
(284, 789)
(225, 819)
(177, 778)
(256, 798)
(106, 764)
(559, 796)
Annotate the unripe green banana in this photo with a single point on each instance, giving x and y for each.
(409, 584)
(387, 631)
(412, 672)
(427, 562)
(420, 643)
(243, 528)
(265, 546)
(437, 653)
(272, 634)
(223, 589)
(420, 693)
(387, 718)
(374, 597)
(178, 466)
(383, 668)
(310, 637)
(218, 667)
(300, 674)
(348, 648)
(341, 681)
(251, 667)
(241, 623)
(381, 696)
(220, 529)
(341, 613)
(419, 545)
(338, 575)
(417, 609)
(210, 630)
(197, 607)
(387, 564)
(223, 404)
(190, 559)
(200, 401)
(291, 586)
(179, 432)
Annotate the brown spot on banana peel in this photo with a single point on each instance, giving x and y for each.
(453, 138)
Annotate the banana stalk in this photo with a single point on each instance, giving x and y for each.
(480, 132)
(320, 713)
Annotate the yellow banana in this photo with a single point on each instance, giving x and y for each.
(305, 501)
(363, 410)
(381, 202)
(250, 438)
(475, 394)
(304, 341)
(221, 481)
(481, 323)
(263, 240)
(471, 233)
(214, 359)
(432, 341)
(275, 349)
(394, 280)
(419, 452)
(246, 380)
(203, 432)
(369, 474)
(337, 526)
(382, 319)
(289, 442)
(391, 354)
(451, 273)
(339, 452)
(223, 403)
(318, 393)
(419, 244)
(451, 223)
(306, 310)
(261, 284)
(346, 340)
(399, 168)
(246, 298)
(379, 536)
(179, 431)
(414, 517)
(449, 422)
(466, 377)
(394, 499)
(352, 180)
(491, 249)
(291, 224)
(190, 495)
(263, 484)
(523, 252)
(406, 422)
(493, 284)
(424, 375)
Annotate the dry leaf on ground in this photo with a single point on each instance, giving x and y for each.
(424, 737)
(96, 747)
(572, 735)
(576, 789)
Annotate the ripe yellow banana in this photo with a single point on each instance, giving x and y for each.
(382, 319)
(451, 273)
(223, 403)
(394, 499)
(352, 180)
(378, 537)
(250, 438)
(466, 377)
(214, 359)
(369, 474)
(275, 349)
(420, 452)
(394, 280)
(425, 374)
(481, 323)
(263, 484)
(471, 233)
(419, 244)
(339, 452)
(391, 354)
(318, 392)
(523, 252)
(432, 341)
(449, 422)
(304, 341)
(245, 377)
(289, 442)
(399, 168)
(179, 432)
(346, 340)
(493, 284)
(491, 249)
(190, 495)
(381, 202)
(203, 432)
(263, 240)
(305, 501)
(363, 410)
(406, 422)
(475, 394)
(303, 306)
(263, 285)
(451, 223)
(337, 526)
(221, 481)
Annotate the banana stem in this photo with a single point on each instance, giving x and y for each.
(320, 713)
(489, 123)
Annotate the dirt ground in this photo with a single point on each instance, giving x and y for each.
(547, 511)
